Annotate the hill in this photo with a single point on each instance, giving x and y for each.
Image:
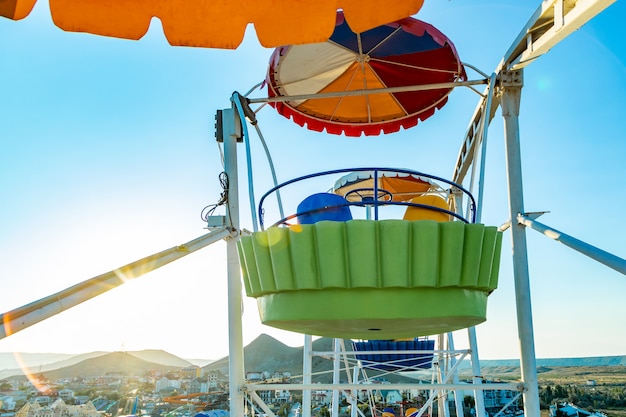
(122, 363)
(589, 361)
(200, 362)
(550, 367)
(161, 357)
(268, 354)
(563, 375)
(12, 360)
(265, 353)
(157, 357)
(40, 362)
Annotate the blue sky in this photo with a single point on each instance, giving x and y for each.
(108, 155)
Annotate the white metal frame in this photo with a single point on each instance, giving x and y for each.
(443, 372)
(552, 21)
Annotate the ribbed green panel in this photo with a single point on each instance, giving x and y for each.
(245, 267)
(361, 239)
(425, 256)
(372, 279)
(371, 254)
(472, 254)
(495, 267)
(451, 253)
(304, 253)
(331, 242)
(489, 252)
(261, 243)
(394, 253)
(280, 255)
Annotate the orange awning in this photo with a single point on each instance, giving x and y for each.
(217, 23)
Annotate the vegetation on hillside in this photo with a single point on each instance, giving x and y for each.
(591, 398)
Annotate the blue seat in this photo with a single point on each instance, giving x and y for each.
(323, 206)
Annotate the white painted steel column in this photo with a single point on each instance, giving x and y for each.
(512, 83)
(336, 368)
(354, 401)
(458, 398)
(477, 378)
(235, 336)
(442, 400)
(483, 148)
(307, 369)
(479, 399)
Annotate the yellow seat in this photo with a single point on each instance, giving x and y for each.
(424, 213)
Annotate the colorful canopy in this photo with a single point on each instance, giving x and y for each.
(216, 23)
(398, 55)
(402, 187)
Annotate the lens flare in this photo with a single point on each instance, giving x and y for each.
(39, 385)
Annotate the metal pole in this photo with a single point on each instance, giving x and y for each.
(352, 93)
(458, 398)
(307, 369)
(336, 368)
(512, 83)
(483, 152)
(235, 337)
(354, 399)
(606, 258)
(500, 386)
(479, 400)
(477, 378)
(442, 400)
(22, 317)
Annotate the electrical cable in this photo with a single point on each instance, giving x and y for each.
(210, 209)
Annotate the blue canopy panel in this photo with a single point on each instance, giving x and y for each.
(405, 359)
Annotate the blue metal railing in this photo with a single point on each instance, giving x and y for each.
(375, 202)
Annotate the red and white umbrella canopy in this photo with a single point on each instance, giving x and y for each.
(401, 55)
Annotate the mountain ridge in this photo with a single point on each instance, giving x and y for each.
(154, 356)
(119, 363)
(260, 355)
(264, 353)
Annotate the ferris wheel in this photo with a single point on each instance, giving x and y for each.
(325, 99)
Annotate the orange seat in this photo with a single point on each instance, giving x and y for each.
(425, 213)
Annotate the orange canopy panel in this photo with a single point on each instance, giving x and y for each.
(217, 23)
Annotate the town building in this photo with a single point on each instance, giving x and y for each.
(58, 409)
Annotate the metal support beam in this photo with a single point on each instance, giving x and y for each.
(443, 376)
(476, 131)
(552, 22)
(354, 400)
(477, 378)
(512, 89)
(32, 313)
(366, 92)
(458, 397)
(235, 333)
(307, 374)
(336, 374)
(511, 386)
(612, 261)
(259, 401)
